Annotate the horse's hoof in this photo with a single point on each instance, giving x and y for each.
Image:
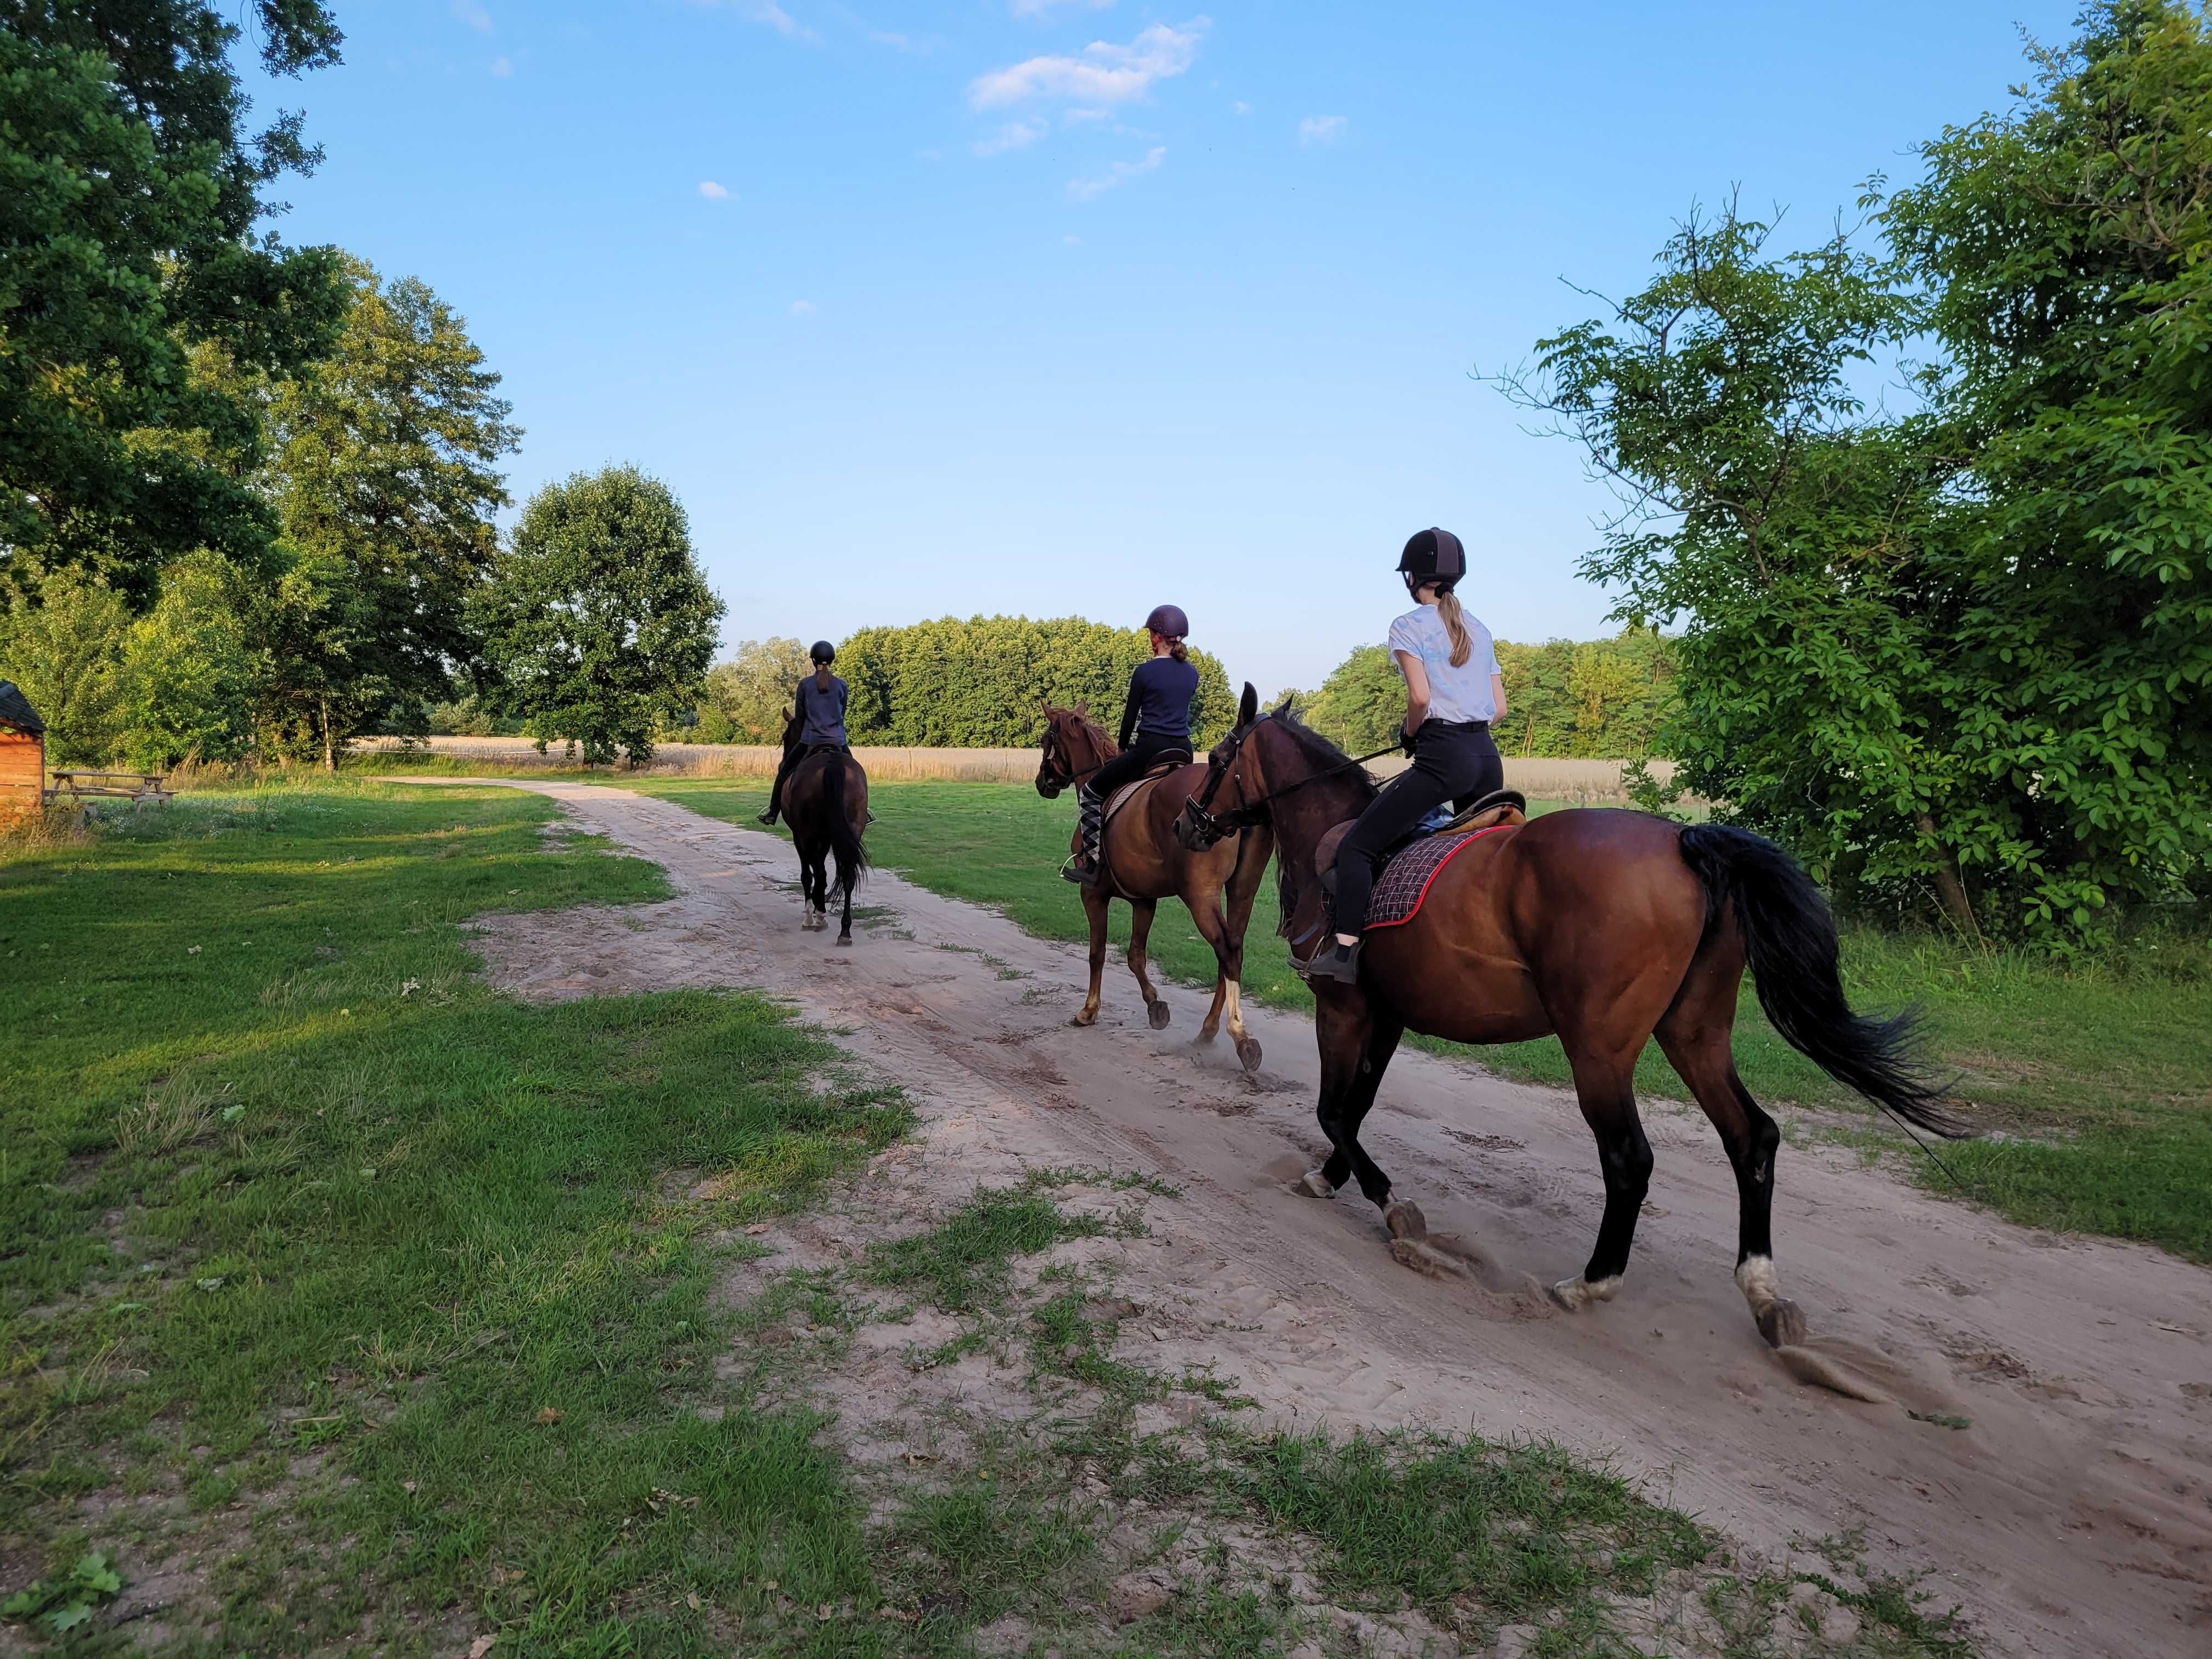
(844, 940)
(1425, 1258)
(1577, 1293)
(1160, 1015)
(1207, 1034)
(1087, 1017)
(1784, 1324)
(1404, 1218)
(1248, 1053)
(1314, 1184)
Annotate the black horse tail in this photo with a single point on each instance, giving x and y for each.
(1790, 938)
(844, 839)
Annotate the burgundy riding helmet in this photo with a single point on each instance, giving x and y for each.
(1434, 556)
(1167, 621)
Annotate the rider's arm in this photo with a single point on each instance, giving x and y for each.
(1417, 689)
(1129, 711)
(1498, 696)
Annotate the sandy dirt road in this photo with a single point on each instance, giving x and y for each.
(2073, 1518)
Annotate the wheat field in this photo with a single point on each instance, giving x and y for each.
(1581, 783)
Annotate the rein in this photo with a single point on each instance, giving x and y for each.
(1249, 812)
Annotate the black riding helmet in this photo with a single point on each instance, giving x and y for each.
(1167, 621)
(1433, 555)
(822, 652)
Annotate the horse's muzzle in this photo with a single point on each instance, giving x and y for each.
(1049, 789)
(1197, 828)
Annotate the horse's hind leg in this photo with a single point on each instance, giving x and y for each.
(1695, 1036)
(1606, 1087)
(847, 874)
(1141, 929)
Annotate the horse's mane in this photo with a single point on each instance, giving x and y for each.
(1103, 737)
(1320, 753)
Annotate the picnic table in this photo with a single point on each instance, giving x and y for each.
(124, 785)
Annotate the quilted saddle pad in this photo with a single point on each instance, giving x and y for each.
(1406, 880)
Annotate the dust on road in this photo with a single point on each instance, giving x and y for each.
(2074, 1517)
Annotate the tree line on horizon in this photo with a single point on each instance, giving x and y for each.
(247, 491)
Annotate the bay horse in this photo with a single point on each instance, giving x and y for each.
(1143, 863)
(825, 802)
(1603, 927)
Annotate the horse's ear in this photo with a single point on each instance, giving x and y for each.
(1083, 707)
(1248, 709)
(1288, 697)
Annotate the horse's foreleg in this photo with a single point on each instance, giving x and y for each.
(1697, 1048)
(1356, 1046)
(1252, 851)
(1204, 903)
(1094, 909)
(1606, 1087)
(1141, 929)
(847, 872)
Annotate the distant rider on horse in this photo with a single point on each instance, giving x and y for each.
(1453, 692)
(1155, 727)
(818, 721)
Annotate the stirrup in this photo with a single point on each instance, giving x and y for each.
(1076, 869)
(769, 817)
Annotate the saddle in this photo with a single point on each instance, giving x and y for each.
(1495, 811)
(1114, 801)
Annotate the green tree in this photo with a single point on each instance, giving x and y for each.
(751, 690)
(979, 682)
(131, 281)
(385, 475)
(599, 625)
(1967, 649)
(67, 654)
(188, 671)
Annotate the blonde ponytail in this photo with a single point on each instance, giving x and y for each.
(1455, 625)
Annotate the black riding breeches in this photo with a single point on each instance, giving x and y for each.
(1452, 762)
(1134, 762)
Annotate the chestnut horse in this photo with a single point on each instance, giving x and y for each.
(1145, 863)
(1601, 927)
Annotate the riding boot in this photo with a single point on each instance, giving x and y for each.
(1333, 960)
(775, 795)
(1090, 817)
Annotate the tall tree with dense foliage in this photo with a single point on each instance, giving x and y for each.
(749, 695)
(1965, 652)
(385, 473)
(950, 683)
(131, 281)
(67, 652)
(599, 625)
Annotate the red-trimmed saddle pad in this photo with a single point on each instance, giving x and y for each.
(1406, 880)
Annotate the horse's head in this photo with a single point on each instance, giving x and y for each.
(1073, 748)
(1197, 826)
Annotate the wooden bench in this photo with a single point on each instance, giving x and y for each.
(138, 786)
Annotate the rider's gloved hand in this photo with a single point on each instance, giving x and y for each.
(1406, 742)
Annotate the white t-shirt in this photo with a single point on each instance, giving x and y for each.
(1456, 695)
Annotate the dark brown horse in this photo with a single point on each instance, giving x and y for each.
(1603, 928)
(1145, 863)
(825, 802)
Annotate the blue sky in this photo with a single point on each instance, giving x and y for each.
(1058, 307)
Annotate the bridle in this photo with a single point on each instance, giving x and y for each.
(1206, 826)
(1055, 755)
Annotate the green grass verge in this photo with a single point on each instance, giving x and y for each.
(2100, 1072)
(363, 1296)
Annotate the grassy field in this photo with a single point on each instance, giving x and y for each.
(2098, 1075)
(348, 1304)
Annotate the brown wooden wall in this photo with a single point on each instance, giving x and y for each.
(22, 771)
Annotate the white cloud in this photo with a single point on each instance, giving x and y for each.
(1072, 242)
(713, 191)
(802, 307)
(1015, 135)
(896, 41)
(1104, 75)
(1082, 190)
(1045, 8)
(768, 12)
(472, 14)
(1242, 107)
(1321, 128)
(502, 67)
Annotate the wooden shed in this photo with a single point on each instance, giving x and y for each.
(22, 753)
